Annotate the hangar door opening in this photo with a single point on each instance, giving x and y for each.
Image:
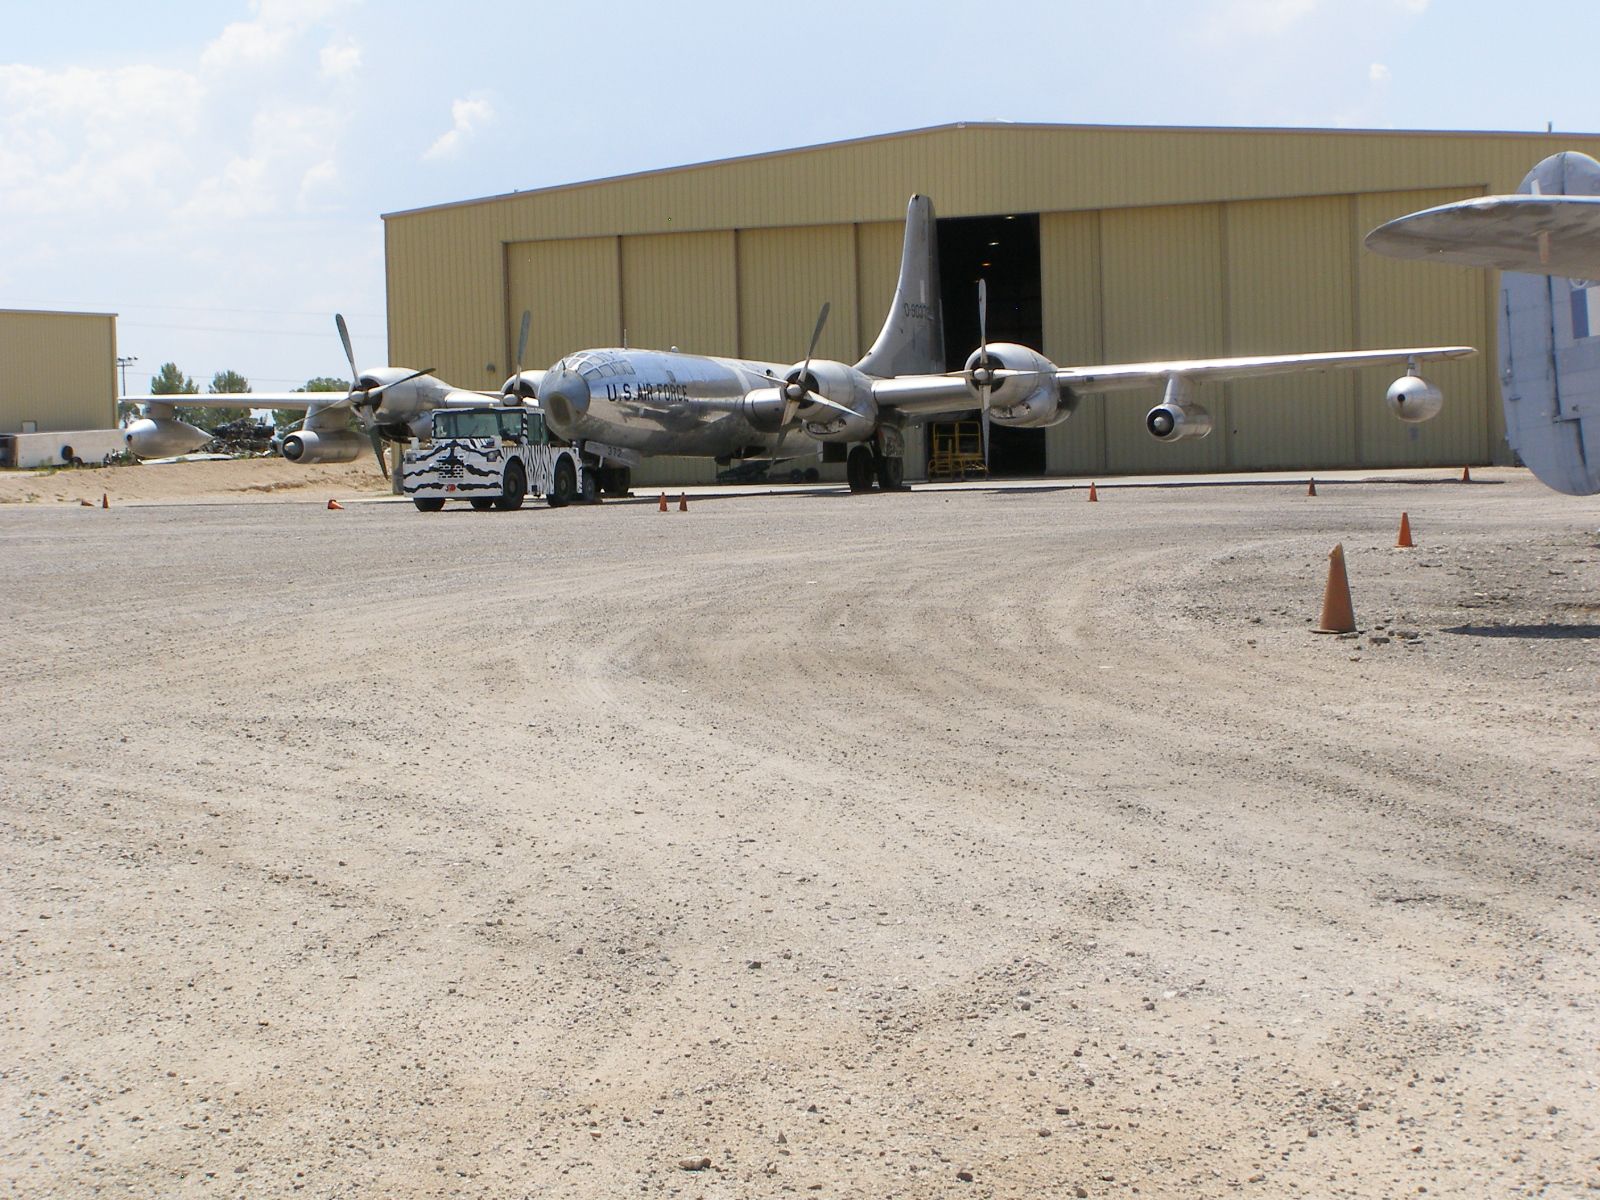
(1005, 251)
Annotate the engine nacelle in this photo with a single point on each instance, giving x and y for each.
(335, 446)
(1413, 399)
(844, 386)
(162, 437)
(1172, 422)
(1030, 401)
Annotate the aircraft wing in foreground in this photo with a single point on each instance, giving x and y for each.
(1546, 240)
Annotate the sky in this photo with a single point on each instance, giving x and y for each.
(214, 171)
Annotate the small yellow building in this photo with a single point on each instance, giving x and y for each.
(1100, 244)
(58, 371)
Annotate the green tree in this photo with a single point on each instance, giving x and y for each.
(169, 381)
(228, 381)
(209, 416)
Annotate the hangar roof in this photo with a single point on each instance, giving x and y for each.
(968, 130)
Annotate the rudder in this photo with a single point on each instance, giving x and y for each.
(912, 339)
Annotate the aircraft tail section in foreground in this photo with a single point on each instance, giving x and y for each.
(912, 339)
(1545, 239)
(1550, 353)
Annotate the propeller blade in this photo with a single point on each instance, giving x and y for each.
(344, 336)
(983, 321)
(794, 393)
(377, 448)
(522, 339)
(826, 403)
(983, 376)
(816, 336)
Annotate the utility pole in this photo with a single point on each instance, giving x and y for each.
(124, 362)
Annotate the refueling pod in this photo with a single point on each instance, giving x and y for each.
(1413, 399)
(162, 437)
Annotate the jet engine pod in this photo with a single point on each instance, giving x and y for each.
(1173, 422)
(1413, 399)
(334, 446)
(159, 437)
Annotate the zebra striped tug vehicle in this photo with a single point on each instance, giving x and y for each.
(496, 456)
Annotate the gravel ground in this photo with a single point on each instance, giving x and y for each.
(966, 843)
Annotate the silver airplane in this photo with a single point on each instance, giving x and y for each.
(619, 404)
(388, 404)
(1546, 240)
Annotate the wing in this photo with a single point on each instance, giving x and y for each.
(927, 394)
(1538, 235)
(305, 400)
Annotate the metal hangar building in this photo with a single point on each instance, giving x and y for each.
(1100, 245)
(57, 371)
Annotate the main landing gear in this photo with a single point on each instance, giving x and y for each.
(867, 463)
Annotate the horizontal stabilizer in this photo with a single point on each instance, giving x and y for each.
(1550, 227)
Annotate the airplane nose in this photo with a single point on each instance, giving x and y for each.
(564, 396)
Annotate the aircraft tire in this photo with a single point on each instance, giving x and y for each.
(891, 472)
(428, 503)
(858, 469)
(564, 486)
(514, 489)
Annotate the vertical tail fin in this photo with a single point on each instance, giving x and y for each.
(912, 339)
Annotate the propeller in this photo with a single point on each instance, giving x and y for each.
(522, 338)
(350, 355)
(370, 397)
(983, 373)
(377, 450)
(796, 393)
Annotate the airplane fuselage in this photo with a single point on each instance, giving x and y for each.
(658, 402)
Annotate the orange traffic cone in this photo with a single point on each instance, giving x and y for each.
(683, 502)
(1466, 474)
(1093, 499)
(334, 504)
(105, 500)
(1404, 542)
(1338, 616)
(662, 506)
(1311, 487)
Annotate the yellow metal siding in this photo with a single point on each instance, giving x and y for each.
(1290, 289)
(877, 271)
(572, 289)
(1164, 298)
(785, 276)
(1424, 304)
(57, 370)
(680, 289)
(1069, 270)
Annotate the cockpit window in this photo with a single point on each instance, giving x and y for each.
(465, 424)
(599, 365)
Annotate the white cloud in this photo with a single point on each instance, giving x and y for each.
(1378, 74)
(1413, 6)
(79, 139)
(1260, 18)
(265, 38)
(466, 116)
(340, 60)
